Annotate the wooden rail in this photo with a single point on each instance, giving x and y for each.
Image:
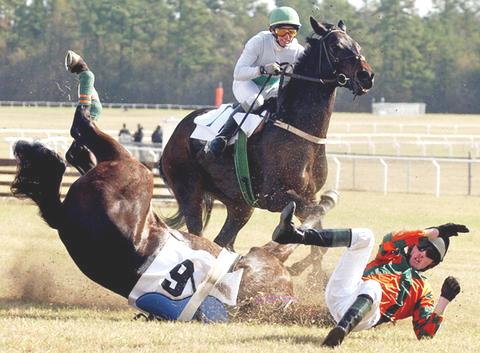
(7, 173)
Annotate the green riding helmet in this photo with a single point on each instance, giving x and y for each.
(284, 15)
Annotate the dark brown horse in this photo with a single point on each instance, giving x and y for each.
(106, 220)
(284, 167)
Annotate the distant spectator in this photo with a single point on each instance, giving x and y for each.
(138, 136)
(124, 136)
(157, 136)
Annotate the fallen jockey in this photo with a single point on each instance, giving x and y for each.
(361, 295)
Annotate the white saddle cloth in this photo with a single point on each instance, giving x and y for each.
(210, 123)
(159, 278)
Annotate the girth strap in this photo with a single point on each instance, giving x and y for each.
(221, 266)
(242, 170)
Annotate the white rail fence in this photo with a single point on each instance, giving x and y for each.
(371, 143)
(369, 172)
(440, 176)
(60, 141)
(399, 144)
(104, 104)
(402, 127)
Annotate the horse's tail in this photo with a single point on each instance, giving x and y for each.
(38, 177)
(177, 220)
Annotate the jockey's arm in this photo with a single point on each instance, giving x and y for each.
(431, 233)
(245, 69)
(425, 319)
(401, 239)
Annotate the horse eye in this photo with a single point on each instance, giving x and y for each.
(336, 48)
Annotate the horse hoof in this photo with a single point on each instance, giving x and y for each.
(296, 269)
(330, 196)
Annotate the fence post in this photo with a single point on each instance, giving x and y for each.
(337, 174)
(437, 186)
(469, 181)
(354, 167)
(385, 175)
(409, 164)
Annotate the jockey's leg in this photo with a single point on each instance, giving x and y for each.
(80, 157)
(352, 317)
(353, 303)
(287, 233)
(214, 148)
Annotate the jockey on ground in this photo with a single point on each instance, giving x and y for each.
(362, 294)
(259, 59)
(87, 99)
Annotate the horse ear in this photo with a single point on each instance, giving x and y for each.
(342, 26)
(318, 27)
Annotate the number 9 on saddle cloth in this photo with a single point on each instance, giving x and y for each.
(185, 284)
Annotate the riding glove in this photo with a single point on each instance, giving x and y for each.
(451, 229)
(270, 69)
(450, 288)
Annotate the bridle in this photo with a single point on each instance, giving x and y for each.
(339, 80)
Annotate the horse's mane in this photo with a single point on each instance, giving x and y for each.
(306, 65)
(304, 61)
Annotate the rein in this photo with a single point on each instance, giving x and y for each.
(339, 80)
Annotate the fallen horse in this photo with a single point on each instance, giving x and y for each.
(111, 232)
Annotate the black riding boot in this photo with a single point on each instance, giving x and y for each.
(286, 233)
(214, 148)
(357, 311)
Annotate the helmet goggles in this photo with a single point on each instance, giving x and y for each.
(283, 31)
(431, 252)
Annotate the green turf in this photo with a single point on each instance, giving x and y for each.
(47, 305)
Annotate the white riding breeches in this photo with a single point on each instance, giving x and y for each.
(346, 283)
(246, 91)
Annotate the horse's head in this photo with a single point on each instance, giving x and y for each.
(340, 57)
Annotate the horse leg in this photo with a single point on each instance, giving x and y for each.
(81, 158)
(190, 205)
(86, 132)
(237, 217)
(313, 214)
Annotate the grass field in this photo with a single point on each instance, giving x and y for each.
(47, 305)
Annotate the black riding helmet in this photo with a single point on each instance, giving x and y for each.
(436, 249)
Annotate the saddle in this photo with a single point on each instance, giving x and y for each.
(209, 124)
